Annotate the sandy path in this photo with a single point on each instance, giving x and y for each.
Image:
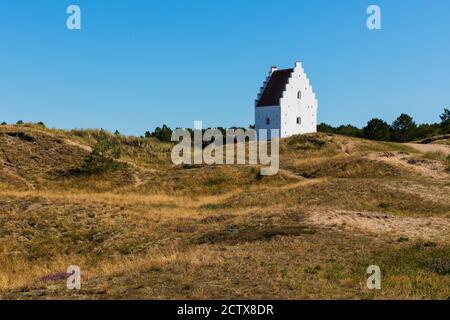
(414, 228)
(430, 147)
(78, 144)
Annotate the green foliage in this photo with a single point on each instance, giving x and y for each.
(377, 129)
(445, 121)
(384, 205)
(426, 130)
(345, 130)
(4, 123)
(348, 130)
(325, 128)
(103, 155)
(313, 269)
(163, 134)
(403, 128)
(20, 122)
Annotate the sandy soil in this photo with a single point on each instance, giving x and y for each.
(413, 228)
(430, 147)
(429, 168)
(78, 144)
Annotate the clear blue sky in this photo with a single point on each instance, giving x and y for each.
(138, 64)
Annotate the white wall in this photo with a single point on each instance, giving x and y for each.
(284, 117)
(261, 114)
(292, 107)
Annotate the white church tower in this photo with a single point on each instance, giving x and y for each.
(286, 102)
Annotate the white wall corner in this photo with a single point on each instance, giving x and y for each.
(298, 65)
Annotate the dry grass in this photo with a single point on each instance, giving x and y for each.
(152, 230)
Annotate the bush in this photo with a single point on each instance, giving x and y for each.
(163, 134)
(349, 130)
(440, 266)
(377, 129)
(445, 121)
(428, 130)
(103, 155)
(20, 122)
(403, 129)
(325, 128)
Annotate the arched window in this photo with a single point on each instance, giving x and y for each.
(299, 120)
(299, 94)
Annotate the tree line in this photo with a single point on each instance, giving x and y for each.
(403, 129)
(164, 133)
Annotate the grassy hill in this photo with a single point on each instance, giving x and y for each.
(153, 230)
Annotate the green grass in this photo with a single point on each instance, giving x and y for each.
(417, 271)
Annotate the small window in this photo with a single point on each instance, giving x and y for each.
(299, 94)
(299, 120)
(267, 121)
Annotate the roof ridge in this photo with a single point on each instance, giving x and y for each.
(275, 87)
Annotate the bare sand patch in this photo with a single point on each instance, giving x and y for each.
(413, 228)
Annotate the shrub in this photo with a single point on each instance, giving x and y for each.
(377, 129)
(349, 130)
(403, 128)
(384, 205)
(313, 270)
(163, 134)
(440, 266)
(325, 128)
(103, 155)
(445, 120)
(426, 130)
(19, 122)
